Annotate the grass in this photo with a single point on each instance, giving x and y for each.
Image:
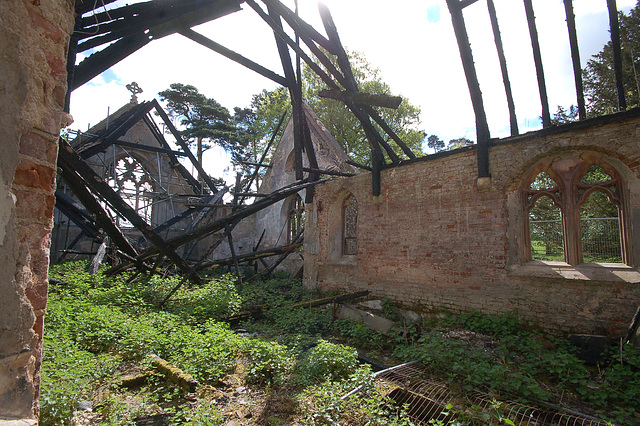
(289, 366)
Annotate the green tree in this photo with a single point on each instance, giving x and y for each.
(598, 75)
(435, 143)
(205, 121)
(338, 119)
(346, 128)
(563, 116)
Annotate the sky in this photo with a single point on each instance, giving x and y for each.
(410, 41)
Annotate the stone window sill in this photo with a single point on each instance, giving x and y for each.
(609, 272)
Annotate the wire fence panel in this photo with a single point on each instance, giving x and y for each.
(601, 239)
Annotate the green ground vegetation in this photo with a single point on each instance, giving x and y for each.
(290, 366)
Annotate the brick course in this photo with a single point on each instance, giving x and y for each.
(433, 241)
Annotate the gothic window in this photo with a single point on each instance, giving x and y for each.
(134, 184)
(350, 230)
(574, 213)
(295, 219)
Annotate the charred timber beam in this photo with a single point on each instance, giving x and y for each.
(575, 58)
(254, 175)
(116, 132)
(327, 172)
(362, 98)
(256, 310)
(537, 59)
(326, 62)
(482, 127)
(377, 160)
(101, 61)
(294, 89)
(258, 165)
(73, 160)
(173, 159)
(148, 148)
(236, 57)
(176, 134)
(617, 53)
(465, 3)
(219, 224)
(358, 165)
(78, 187)
(248, 194)
(301, 27)
(383, 124)
(493, 17)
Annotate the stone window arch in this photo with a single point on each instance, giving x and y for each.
(575, 212)
(295, 218)
(134, 184)
(350, 226)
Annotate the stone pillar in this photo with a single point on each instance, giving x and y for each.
(34, 37)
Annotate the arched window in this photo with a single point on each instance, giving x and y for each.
(599, 217)
(134, 184)
(574, 213)
(295, 219)
(350, 228)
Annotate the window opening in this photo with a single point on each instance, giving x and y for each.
(295, 219)
(600, 229)
(350, 220)
(545, 227)
(574, 213)
(129, 179)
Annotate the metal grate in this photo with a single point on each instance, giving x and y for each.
(427, 400)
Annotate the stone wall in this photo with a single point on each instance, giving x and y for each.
(437, 238)
(33, 46)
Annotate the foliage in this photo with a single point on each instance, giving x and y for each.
(205, 121)
(563, 116)
(337, 118)
(598, 76)
(97, 326)
(435, 143)
(328, 361)
(459, 143)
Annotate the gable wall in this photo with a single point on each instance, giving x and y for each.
(434, 240)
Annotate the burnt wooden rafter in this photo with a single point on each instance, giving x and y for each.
(216, 47)
(513, 121)
(482, 126)
(537, 59)
(221, 223)
(132, 27)
(575, 58)
(173, 158)
(72, 161)
(77, 185)
(617, 52)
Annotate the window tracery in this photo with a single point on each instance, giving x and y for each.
(574, 213)
(295, 219)
(134, 184)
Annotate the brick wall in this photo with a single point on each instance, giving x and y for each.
(435, 240)
(33, 44)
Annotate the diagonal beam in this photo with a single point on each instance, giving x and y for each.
(236, 57)
(73, 161)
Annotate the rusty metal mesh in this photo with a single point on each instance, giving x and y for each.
(425, 400)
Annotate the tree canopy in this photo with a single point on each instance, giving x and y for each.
(598, 75)
(205, 122)
(269, 106)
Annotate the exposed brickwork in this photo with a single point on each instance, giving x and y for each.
(434, 241)
(33, 45)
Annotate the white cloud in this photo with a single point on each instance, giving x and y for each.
(417, 55)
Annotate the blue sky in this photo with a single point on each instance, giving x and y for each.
(411, 42)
